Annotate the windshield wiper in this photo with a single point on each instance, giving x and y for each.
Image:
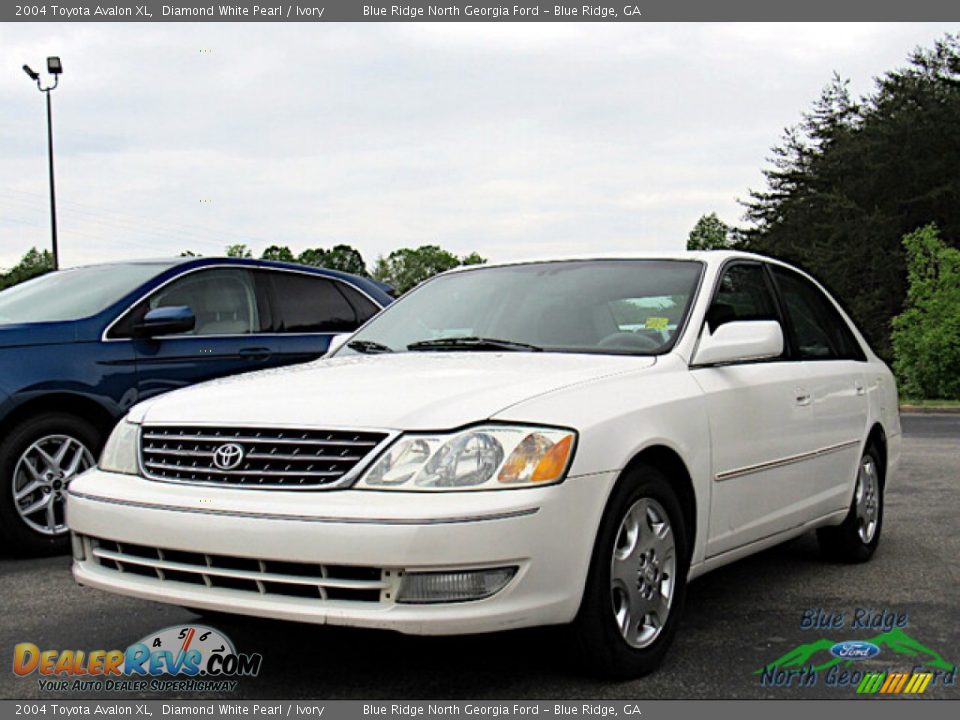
(369, 347)
(472, 343)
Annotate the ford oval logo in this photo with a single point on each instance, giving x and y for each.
(227, 457)
(854, 650)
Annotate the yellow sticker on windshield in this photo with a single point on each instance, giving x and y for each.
(656, 323)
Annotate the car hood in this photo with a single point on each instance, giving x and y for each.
(406, 391)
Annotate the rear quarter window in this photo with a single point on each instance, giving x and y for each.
(301, 303)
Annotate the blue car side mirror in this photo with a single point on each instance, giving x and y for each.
(166, 321)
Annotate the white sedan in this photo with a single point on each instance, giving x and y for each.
(565, 442)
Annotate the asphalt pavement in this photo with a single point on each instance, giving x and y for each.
(737, 619)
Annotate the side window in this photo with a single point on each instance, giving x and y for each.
(819, 332)
(222, 299)
(362, 305)
(743, 294)
(309, 304)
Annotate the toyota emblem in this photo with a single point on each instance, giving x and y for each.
(227, 457)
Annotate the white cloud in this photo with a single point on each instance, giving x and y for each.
(510, 139)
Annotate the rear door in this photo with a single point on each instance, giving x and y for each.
(834, 368)
(307, 310)
(228, 336)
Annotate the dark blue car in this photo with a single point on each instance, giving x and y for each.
(79, 347)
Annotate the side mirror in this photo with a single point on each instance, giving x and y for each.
(740, 340)
(166, 321)
(337, 342)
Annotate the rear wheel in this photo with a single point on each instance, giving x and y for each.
(637, 580)
(857, 538)
(38, 459)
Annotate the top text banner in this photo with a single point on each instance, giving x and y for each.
(481, 11)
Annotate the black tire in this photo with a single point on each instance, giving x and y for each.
(602, 647)
(16, 535)
(846, 543)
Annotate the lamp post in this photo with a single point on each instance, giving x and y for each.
(55, 68)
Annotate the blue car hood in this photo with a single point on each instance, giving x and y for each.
(25, 334)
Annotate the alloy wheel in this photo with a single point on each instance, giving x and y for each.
(40, 479)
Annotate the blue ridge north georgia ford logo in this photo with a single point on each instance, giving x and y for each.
(854, 650)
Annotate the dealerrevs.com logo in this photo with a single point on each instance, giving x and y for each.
(178, 658)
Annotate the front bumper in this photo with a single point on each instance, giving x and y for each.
(547, 533)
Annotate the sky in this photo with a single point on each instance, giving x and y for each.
(512, 140)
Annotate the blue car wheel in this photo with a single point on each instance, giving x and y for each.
(38, 459)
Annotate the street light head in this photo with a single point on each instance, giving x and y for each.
(54, 66)
(33, 76)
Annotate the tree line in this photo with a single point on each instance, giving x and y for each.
(402, 269)
(849, 188)
(33, 263)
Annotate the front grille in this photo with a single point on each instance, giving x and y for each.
(266, 578)
(269, 457)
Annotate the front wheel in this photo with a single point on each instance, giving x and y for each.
(856, 539)
(637, 579)
(38, 459)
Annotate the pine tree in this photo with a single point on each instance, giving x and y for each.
(847, 183)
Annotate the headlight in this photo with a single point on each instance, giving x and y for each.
(482, 458)
(120, 452)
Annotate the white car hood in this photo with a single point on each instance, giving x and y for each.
(406, 391)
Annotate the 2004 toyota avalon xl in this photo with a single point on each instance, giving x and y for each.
(565, 442)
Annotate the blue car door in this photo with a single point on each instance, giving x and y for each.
(228, 336)
(306, 310)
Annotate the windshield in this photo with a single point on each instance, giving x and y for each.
(600, 306)
(73, 294)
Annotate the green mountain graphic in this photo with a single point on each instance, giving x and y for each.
(817, 654)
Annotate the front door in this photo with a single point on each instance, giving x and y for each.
(760, 422)
(226, 339)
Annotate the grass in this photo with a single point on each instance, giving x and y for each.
(930, 403)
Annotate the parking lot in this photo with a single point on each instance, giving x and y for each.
(737, 619)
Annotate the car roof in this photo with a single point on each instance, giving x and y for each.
(218, 260)
(711, 257)
(203, 260)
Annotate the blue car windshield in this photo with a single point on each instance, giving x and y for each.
(73, 294)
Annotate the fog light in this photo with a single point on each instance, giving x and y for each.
(453, 586)
(76, 544)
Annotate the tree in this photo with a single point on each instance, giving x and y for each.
(189, 253)
(32, 264)
(341, 257)
(855, 176)
(926, 335)
(239, 250)
(406, 268)
(312, 256)
(345, 259)
(277, 252)
(710, 233)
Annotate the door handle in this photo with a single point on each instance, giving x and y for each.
(858, 386)
(257, 353)
(803, 397)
